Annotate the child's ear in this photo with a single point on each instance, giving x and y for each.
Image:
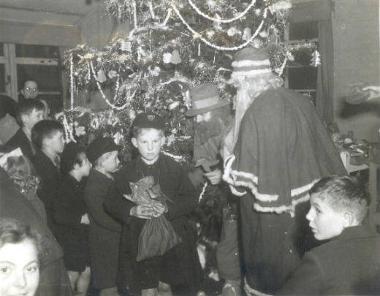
(163, 140)
(349, 219)
(134, 142)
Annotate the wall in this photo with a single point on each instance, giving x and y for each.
(356, 59)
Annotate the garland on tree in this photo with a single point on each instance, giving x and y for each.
(170, 46)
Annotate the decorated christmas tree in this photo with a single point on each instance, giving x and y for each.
(158, 51)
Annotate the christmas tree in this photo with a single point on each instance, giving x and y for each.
(159, 50)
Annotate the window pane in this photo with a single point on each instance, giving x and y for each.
(2, 78)
(47, 77)
(302, 78)
(36, 51)
(1, 49)
(55, 102)
(305, 30)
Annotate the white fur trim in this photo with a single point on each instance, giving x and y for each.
(282, 209)
(236, 192)
(250, 291)
(250, 73)
(302, 189)
(249, 63)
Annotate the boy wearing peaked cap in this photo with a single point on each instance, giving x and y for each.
(179, 266)
(104, 232)
(281, 147)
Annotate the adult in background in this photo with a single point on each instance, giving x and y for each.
(212, 121)
(281, 148)
(29, 91)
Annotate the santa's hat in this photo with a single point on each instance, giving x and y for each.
(250, 62)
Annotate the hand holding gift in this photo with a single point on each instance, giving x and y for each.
(157, 235)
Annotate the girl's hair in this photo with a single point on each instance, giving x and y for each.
(13, 231)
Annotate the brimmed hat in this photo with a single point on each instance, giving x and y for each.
(100, 146)
(250, 62)
(149, 120)
(204, 98)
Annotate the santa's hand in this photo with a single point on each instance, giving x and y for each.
(142, 211)
(215, 177)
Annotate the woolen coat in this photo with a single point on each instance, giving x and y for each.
(181, 263)
(50, 179)
(104, 232)
(347, 265)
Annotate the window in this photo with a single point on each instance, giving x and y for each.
(301, 75)
(21, 62)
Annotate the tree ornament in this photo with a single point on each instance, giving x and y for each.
(175, 58)
(100, 76)
(167, 57)
(315, 59)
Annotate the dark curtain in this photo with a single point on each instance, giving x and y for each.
(325, 79)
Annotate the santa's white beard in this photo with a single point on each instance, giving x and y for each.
(244, 99)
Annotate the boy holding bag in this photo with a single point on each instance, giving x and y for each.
(178, 266)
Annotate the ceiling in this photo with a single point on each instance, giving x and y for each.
(53, 12)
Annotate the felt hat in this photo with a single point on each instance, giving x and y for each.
(149, 120)
(204, 98)
(100, 146)
(250, 62)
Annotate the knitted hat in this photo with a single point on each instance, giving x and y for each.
(205, 98)
(250, 62)
(100, 146)
(149, 120)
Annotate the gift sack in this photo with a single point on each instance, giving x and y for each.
(156, 238)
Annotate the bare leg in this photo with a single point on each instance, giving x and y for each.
(73, 276)
(84, 281)
(149, 292)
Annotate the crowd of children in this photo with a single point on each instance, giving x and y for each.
(93, 214)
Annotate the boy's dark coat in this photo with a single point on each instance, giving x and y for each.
(69, 207)
(104, 233)
(346, 265)
(49, 183)
(176, 185)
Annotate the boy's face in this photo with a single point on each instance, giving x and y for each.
(324, 221)
(56, 142)
(149, 143)
(29, 120)
(85, 165)
(110, 161)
